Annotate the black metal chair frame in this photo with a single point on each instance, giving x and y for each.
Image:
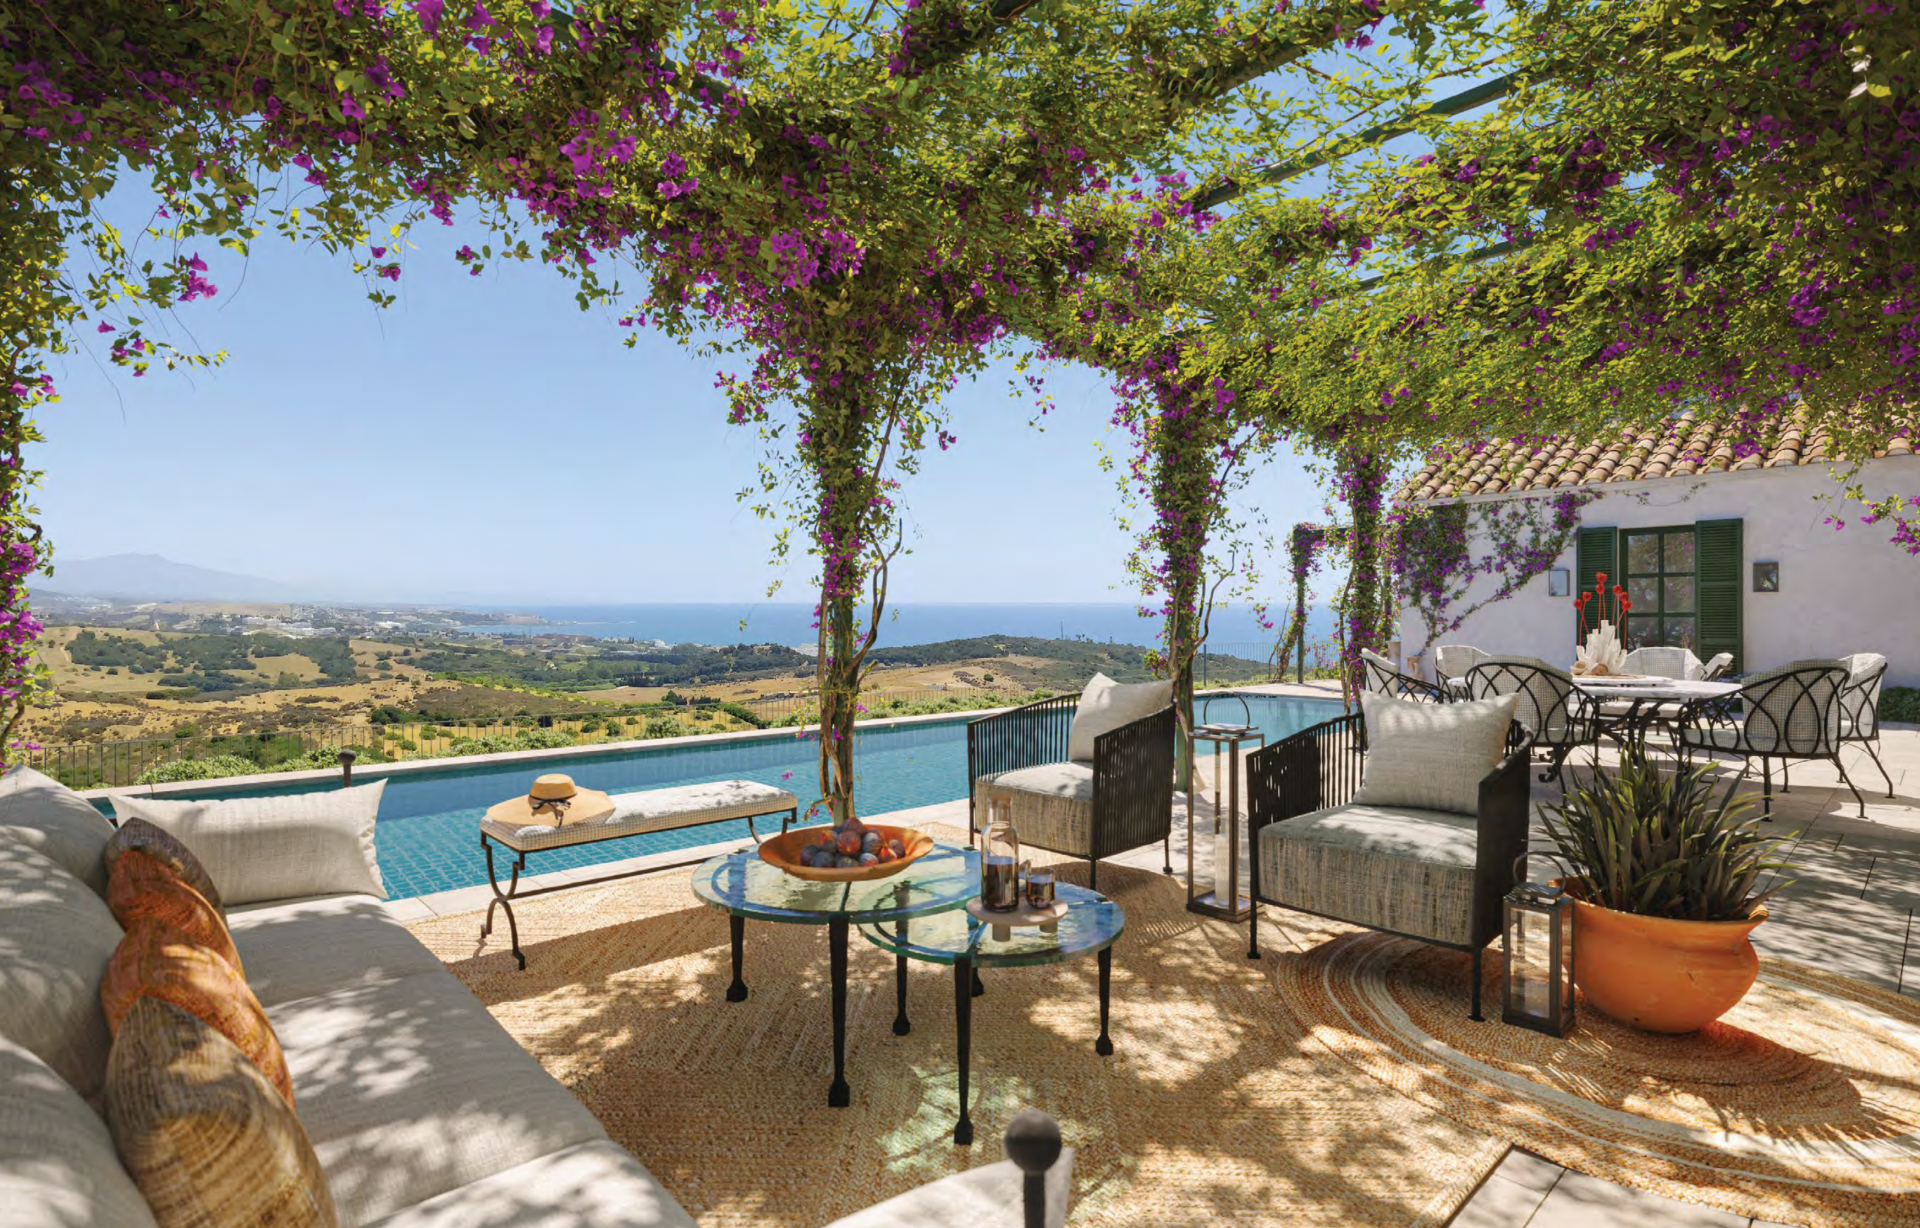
(1133, 769)
(1386, 680)
(1321, 767)
(1694, 734)
(1857, 707)
(1583, 724)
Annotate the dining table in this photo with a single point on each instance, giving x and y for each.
(1627, 706)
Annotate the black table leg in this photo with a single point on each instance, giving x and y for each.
(901, 1025)
(963, 983)
(978, 987)
(737, 992)
(1104, 1046)
(839, 1096)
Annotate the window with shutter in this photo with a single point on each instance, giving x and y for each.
(1720, 560)
(1595, 554)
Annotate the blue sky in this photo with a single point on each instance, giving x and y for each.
(483, 439)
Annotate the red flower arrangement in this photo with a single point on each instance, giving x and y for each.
(1609, 605)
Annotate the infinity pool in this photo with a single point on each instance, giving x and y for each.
(429, 833)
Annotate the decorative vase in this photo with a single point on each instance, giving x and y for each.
(1660, 974)
(1000, 859)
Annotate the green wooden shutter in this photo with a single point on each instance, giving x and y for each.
(1596, 553)
(1719, 559)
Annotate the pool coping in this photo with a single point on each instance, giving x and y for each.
(382, 771)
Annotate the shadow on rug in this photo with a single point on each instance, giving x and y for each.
(1215, 1104)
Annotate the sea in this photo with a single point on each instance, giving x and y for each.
(1234, 628)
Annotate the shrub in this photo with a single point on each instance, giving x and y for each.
(197, 769)
(665, 727)
(185, 731)
(1900, 703)
(740, 712)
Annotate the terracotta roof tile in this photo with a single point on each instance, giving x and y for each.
(1688, 446)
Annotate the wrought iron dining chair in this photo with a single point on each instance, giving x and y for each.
(1451, 663)
(1378, 675)
(1664, 662)
(1860, 706)
(1559, 715)
(1792, 714)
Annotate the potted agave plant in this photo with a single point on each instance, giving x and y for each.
(1667, 887)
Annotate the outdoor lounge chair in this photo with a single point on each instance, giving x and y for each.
(1792, 713)
(1119, 799)
(1378, 675)
(1558, 714)
(1437, 876)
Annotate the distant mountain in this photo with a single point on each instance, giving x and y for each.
(148, 577)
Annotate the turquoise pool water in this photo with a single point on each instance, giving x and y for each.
(429, 833)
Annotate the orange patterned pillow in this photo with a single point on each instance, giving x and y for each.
(143, 886)
(164, 847)
(156, 961)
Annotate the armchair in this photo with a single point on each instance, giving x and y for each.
(1860, 706)
(1120, 800)
(1558, 714)
(1451, 663)
(1430, 875)
(1792, 713)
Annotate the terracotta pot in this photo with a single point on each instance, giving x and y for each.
(1659, 974)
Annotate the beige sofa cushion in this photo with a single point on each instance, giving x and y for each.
(50, 818)
(1389, 867)
(1431, 756)
(1106, 705)
(58, 1168)
(317, 946)
(991, 1196)
(410, 1089)
(56, 936)
(591, 1185)
(276, 848)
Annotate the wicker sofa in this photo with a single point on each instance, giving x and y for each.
(423, 1111)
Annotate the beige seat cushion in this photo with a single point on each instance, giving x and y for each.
(58, 1168)
(990, 1196)
(1390, 867)
(409, 1089)
(276, 848)
(1052, 804)
(1106, 705)
(56, 936)
(1431, 756)
(316, 946)
(50, 818)
(591, 1185)
(650, 810)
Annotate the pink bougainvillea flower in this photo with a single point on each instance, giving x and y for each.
(350, 107)
(429, 13)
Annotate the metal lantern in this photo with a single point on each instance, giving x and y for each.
(1537, 939)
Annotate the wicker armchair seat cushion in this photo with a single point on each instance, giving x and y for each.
(650, 810)
(1431, 756)
(1052, 804)
(1389, 867)
(1106, 705)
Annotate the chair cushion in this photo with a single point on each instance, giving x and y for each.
(56, 936)
(1106, 705)
(596, 1183)
(141, 887)
(161, 845)
(650, 810)
(1389, 867)
(308, 947)
(1431, 756)
(1052, 804)
(409, 1089)
(275, 848)
(208, 1140)
(46, 816)
(58, 1168)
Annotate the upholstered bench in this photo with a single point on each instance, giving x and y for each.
(634, 814)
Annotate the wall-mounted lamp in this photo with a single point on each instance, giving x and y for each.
(1766, 577)
(1559, 582)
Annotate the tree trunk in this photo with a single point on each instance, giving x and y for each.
(838, 677)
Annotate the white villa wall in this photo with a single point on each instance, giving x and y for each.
(1841, 591)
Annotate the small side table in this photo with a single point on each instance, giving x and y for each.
(1224, 900)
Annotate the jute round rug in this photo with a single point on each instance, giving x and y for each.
(1802, 1105)
(1215, 1106)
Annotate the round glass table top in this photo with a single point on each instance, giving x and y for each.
(741, 884)
(1092, 923)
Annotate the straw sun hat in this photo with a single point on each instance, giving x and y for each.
(553, 800)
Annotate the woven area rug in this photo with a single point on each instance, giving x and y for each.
(1802, 1105)
(1215, 1104)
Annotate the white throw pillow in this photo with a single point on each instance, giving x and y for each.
(45, 815)
(1106, 705)
(1431, 756)
(276, 848)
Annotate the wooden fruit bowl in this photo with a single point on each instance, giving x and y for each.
(783, 851)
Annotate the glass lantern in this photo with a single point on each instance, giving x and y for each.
(1537, 939)
(1000, 858)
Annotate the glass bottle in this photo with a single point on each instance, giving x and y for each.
(1000, 859)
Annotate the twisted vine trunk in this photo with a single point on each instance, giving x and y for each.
(1369, 595)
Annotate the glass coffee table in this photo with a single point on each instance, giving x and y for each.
(746, 888)
(1091, 926)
